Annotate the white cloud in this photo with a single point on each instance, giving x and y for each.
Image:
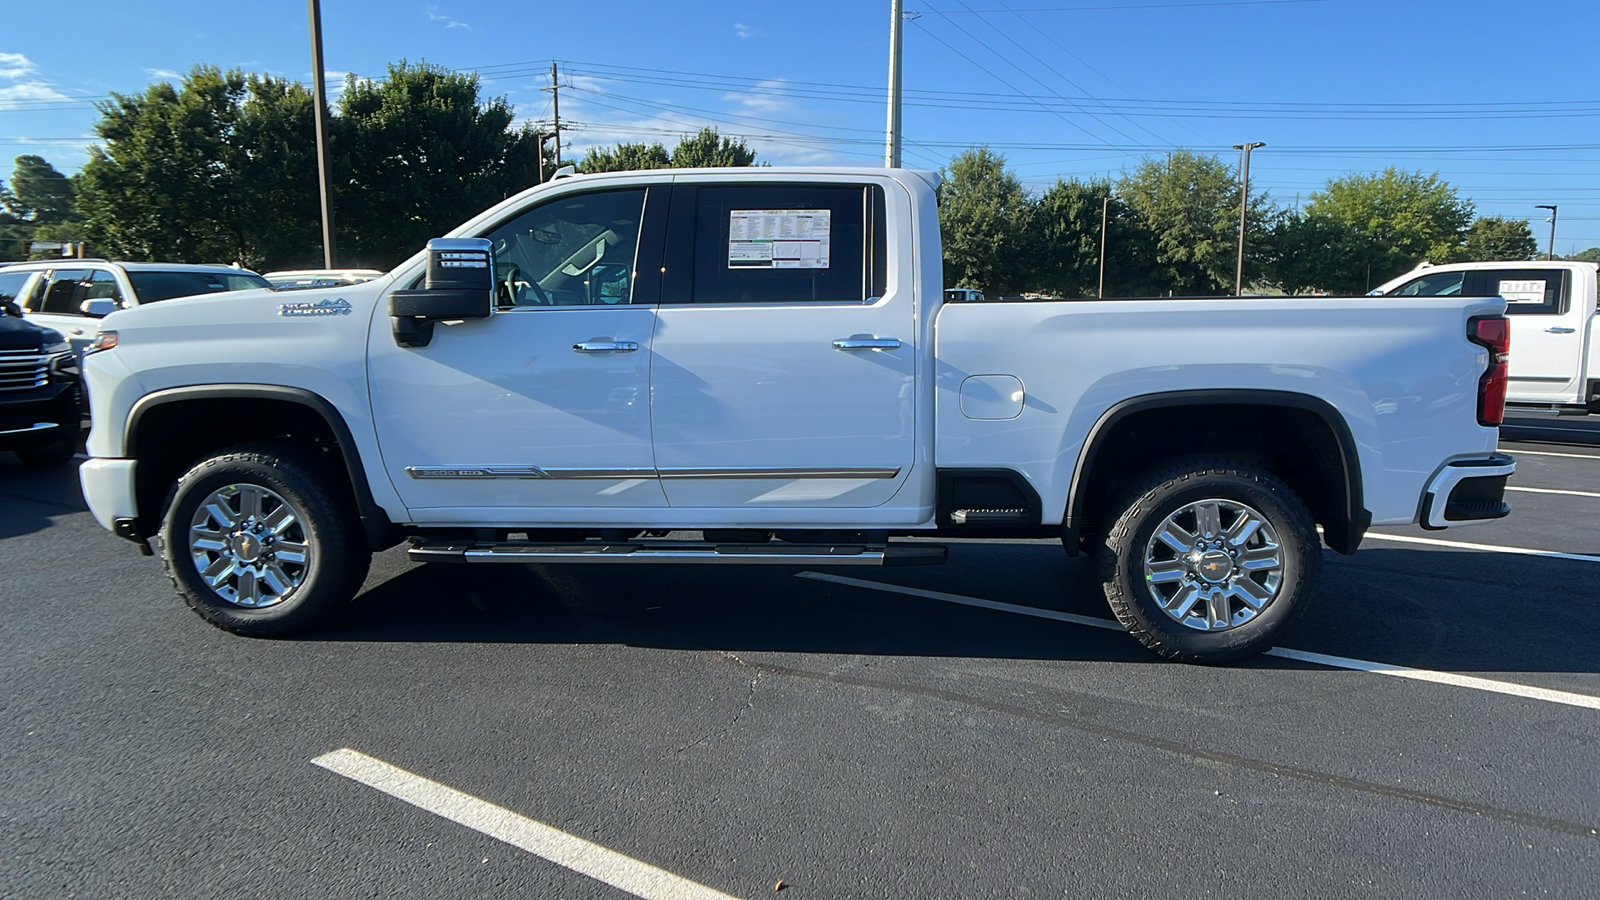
(602, 127)
(767, 101)
(28, 90)
(741, 30)
(163, 74)
(15, 65)
(449, 21)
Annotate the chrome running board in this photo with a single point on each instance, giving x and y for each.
(668, 552)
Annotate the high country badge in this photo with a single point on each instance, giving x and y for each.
(340, 307)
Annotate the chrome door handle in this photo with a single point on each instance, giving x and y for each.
(1560, 329)
(867, 344)
(605, 346)
(77, 331)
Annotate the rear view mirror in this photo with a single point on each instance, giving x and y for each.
(98, 308)
(460, 285)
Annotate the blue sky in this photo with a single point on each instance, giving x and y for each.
(1501, 99)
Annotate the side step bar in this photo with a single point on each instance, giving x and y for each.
(776, 553)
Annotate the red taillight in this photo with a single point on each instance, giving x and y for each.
(1494, 334)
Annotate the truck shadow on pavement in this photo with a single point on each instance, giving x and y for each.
(1452, 611)
(30, 497)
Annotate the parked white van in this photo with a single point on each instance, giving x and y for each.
(1555, 351)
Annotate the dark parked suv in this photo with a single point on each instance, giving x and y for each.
(40, 398)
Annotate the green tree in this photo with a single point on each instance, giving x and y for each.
(984, 220)
(418, 153)
(38, 193)
(1492, 238)
(709, 149)
(625, 157)
(215, 169)
(1066, 223)
(1590, 255)
(1393, 220)
(1305, 254)
(1190, 204)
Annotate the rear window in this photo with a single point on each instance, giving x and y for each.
(153, 286)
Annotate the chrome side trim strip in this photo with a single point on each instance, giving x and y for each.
(779, 472)
(427, 472)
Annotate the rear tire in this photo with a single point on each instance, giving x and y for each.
(263, 540)
(1210, 560)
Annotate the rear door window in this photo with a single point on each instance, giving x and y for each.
(776, 244)
(1528, 292)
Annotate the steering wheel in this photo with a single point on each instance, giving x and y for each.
(512, 281)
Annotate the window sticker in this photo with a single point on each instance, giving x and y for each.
(778, 238)
(1523, 291)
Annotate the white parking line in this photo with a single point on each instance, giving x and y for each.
(1490, 548)
(600, 863)
(1527, 490)
(1548, 453)
(1566, 698)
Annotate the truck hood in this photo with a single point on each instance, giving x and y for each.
(20, 334)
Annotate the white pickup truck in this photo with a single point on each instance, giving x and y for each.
(1555, 324)
(757, 366)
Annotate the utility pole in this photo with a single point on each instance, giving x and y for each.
(1551, 254)
(320, 113)
(555, 103)
(891, 148)
(538, 137)
(1244, 204)
(1105, 204)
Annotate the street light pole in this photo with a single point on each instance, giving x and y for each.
(1244, 204)
(1551, 254)
(320, 114)
(891, 148)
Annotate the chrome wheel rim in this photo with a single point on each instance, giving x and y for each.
(1214, 564)
(249, 545)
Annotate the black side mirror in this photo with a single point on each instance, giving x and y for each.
(460, 285)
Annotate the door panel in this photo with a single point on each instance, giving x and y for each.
(782, 376)
(544, 404)
(504, 413)
(1548, 331)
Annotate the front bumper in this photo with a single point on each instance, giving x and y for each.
(45, 415)
(111, 492)
(1467, 492)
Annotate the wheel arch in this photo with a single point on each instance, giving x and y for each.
(311, 418)
(1339, 507)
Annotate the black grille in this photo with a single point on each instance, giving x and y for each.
(22, 370)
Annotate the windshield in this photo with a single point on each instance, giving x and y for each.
(152, 286)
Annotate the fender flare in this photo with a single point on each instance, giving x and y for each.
(1343, 537)
(380, 532)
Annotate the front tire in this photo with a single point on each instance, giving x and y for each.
(263, 540)
(1210, 560)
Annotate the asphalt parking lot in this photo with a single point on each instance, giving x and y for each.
(963, 731)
